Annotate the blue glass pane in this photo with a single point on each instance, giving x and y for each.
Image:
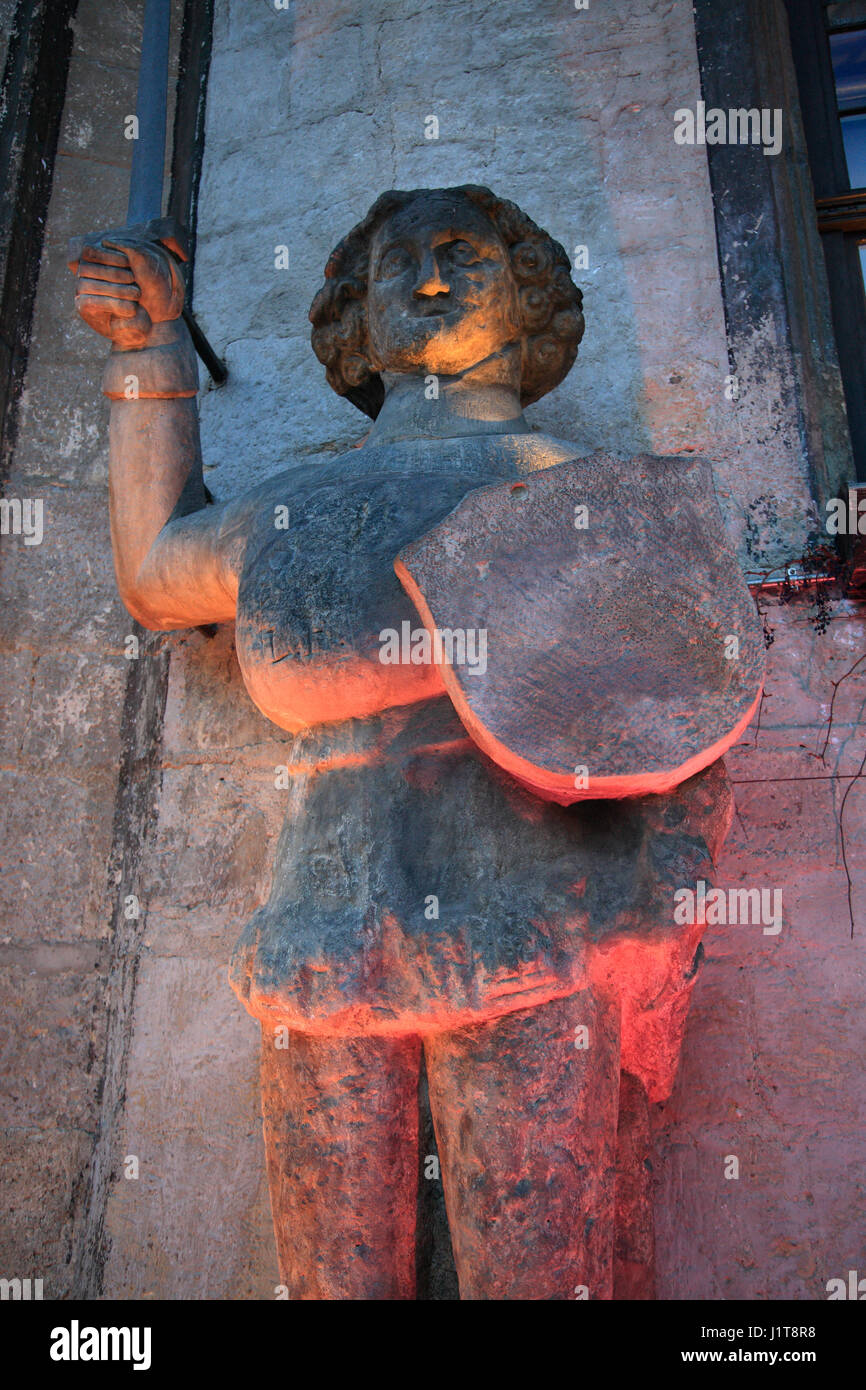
(848, 52)
(854, 136)
(863, 264)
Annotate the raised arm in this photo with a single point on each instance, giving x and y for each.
(176, 559)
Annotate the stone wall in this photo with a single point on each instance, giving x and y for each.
(771, 1071)
(64, 681)
(7, 21)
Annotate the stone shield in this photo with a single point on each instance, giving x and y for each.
(592, 624)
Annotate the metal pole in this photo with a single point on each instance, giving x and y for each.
(215, 365)
(148, 154)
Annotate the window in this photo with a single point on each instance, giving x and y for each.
(848, 56)
(828, 45)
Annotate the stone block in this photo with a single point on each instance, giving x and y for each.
(193, 1224)
(51, 1032)
(56, 837)
(61, 594)
(87, 198)
(41, 1172)
(240, 22)
(213, 841)
(207, 708)
(16, 673)
(63, 433)
(98, 100)
(75, 712)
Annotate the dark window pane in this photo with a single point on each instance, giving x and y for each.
(848, 52)
(854, 136)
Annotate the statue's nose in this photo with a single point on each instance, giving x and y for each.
(430, 281)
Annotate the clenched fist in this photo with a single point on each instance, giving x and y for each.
(127, 281)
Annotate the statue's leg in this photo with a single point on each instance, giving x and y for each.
(526, 1124)
(341, 1136)
(634, 1239)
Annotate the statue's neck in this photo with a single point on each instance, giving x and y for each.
(483, 400)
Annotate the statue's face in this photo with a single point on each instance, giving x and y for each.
(441, 295)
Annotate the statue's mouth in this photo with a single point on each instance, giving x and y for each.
(435, 308)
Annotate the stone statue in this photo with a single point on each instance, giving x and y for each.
(506, 759)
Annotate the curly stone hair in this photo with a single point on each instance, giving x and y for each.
(550, 302)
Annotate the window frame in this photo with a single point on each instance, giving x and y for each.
(840, 210)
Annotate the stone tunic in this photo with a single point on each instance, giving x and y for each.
(416, 885)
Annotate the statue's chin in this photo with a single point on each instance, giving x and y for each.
(448, 344)
(436, 360)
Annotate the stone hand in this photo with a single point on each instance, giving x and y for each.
(126, 281)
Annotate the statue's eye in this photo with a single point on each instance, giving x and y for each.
(394, 262)
(461, 253)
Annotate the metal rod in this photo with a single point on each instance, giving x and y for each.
(148, 151)
(215, 365)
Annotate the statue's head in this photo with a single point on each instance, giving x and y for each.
(437, 280)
